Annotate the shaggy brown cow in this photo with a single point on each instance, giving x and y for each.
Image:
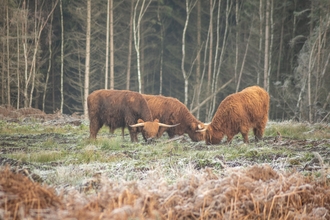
(239, 112)
(171, 111)
(120, 109)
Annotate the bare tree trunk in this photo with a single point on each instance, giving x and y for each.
(112, 70)
(224, 42)
(237, 41)
(3, 84)
(199, 45)
(50, 32)
(8, 59)
(62, 57)
(208, 38)
(261, 23)
(210, 112)
(88, 53)
(107, 48)
(271, 42)
(35, 54)
(244, 58)
(24, 39)
(266, 58)
(129, 57)
(183, 48)
(136, 31)
(161, 51)
(18, 70)
(281, 43)
(309, 71)
(209, 73)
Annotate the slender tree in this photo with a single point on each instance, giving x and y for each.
(112, 65)
(106, 74)
(137, 35)
(62, 56)
(88, 52)
(50, 33)
(129, 56)
(8, 59)
(266, 58)
(186, 76)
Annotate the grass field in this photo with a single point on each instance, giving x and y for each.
(171, 179)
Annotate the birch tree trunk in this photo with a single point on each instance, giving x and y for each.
(8, 60)
(18, 70)
(244, 58)
(88, 52)
(209, 73)
(137, 34)
(112, 74)
(266, 56)
(185, 77)
(129, 56)
(106, 74)
(62, 56)
(237, 41)
(161, 51)
(217, 68)
(50, 32)
(199, 45)
(261, 23)
(271, 42)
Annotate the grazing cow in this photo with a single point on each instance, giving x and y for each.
(239, 112)
(171, 111)
(120, 109)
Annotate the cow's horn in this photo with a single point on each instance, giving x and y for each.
(202, 130)
(168, 126)
(137, 125)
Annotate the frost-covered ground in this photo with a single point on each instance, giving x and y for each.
(284, 176)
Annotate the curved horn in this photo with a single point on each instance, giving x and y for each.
(202, 130)
(167, 126)
(137, 125)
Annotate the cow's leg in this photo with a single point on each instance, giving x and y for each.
(171, 133)
(122, 132)
(258, 133)
(161, 130)
(245, 132)
(229, 138)
(94, 127)
(133, 134)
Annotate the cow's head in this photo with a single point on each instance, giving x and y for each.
(210, 136)
(196, 131)
(150, 128)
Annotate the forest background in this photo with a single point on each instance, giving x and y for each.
(54, 53)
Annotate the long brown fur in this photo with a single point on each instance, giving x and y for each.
(171, 111)
(239, 112)
(119, 109)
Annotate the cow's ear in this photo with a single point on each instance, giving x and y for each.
(140, 121)
(156, 120)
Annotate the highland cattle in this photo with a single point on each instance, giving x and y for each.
(120, 109)
(237, 113)
(171, 111)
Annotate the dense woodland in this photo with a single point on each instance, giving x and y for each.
(54, 53)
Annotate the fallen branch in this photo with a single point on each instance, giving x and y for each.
(211, 96)
(173, 139)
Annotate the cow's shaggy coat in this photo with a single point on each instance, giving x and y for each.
(119, 109)
(171, 111)
(239, 112)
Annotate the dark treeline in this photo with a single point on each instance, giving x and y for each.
(196, 51)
